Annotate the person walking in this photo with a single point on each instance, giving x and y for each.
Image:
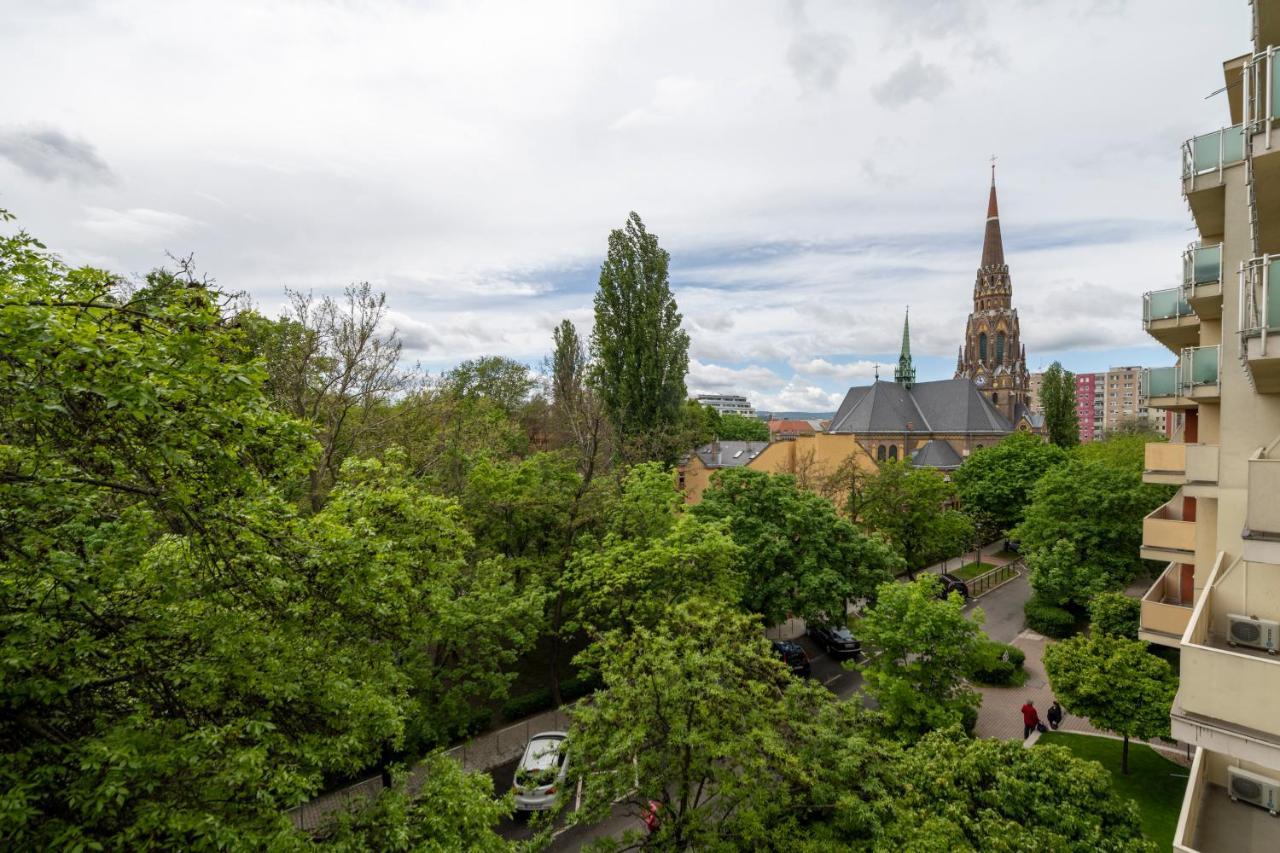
(1030, 719)
(1055, 715)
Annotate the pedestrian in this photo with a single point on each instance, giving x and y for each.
(1055, 715)
(1030, 719)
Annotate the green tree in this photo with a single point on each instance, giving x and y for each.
(1114, 682)
(1058, 397)
(994, 484)
(505, 382)
(692, 715)
(738, 428)
(800, 557)
(907, 506)
(1116, 614)
(576, 410)
(1083, 529)
(640, 353)
(919, 649)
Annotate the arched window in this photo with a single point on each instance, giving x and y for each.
(982, 347)
(1000, 348)
(893, 451)
(880, 453)
(995, 398)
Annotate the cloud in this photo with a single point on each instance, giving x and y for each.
(705, 378)
(913, 80)
(817, 59)
(799, 396)
(856, 370)
(136, 225)
(49, 154)
(673, 97)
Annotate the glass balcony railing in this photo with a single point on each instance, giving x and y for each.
(1259, 295)
(1261, 94)
(1159, 382)
(1164, 305)
(1198, 366)
(1212, 152)
(1202, 265)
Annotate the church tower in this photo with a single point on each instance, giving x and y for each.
(905, 373)
(993, 355)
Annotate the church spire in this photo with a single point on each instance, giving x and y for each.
(992, 246)
(905, 375)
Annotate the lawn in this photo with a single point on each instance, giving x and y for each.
(971, 570)
(1154, 782)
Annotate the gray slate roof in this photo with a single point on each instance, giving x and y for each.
(947, 405)
(1036, 419)
(730, 454)
(936, 454)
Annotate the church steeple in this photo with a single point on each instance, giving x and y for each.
(992, 245)
(905, 374)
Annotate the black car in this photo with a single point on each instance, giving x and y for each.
(950, 584)
(792, 655)
(836, 640)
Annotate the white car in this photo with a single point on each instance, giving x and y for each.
(540, 774)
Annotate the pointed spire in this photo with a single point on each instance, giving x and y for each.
(905, 375)
(992, 246)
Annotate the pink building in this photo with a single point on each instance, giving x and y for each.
(1086, 413)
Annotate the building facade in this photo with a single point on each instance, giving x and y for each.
(728, 404)
(1218, 599)
(1088, 413)
(992, 356)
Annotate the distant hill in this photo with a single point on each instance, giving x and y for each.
(799, 416)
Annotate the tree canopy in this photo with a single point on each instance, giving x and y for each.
(1058, 397)
(995, 483)
(907, 507)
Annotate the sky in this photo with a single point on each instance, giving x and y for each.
(812, 167)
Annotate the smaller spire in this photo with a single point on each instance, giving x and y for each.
(905, 375)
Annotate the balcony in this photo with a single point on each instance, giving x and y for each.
(1167, 317)
(1206, 160)
(1210, 821)
(1202, 280)
(1164, 463)
(1202, 471)
(1261, 536)
(1166, 609)
(1199, 374)
(1160, 386)
(1227, 699)
(1261, 110)
(1260, 323)
(1167, 536)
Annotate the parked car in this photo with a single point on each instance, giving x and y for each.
(793, 655)
(540, 774)
(836, 640)
(950, 584)
(1013, 546)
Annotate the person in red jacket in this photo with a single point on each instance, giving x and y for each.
(1030, 719)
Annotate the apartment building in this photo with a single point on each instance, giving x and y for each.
(1218, 599)
(728, 404)
(1112, 399)
(1088, 415)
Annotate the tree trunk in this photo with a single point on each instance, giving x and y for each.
(1124, 757)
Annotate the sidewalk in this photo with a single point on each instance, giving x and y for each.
(989, 552)
(1001, 713)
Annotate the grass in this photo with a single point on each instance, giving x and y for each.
(1154, 782)
(971, 570)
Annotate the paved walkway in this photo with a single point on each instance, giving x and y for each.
(1001, 712)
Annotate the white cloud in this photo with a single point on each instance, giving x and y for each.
(798, 396)
(710, 378)
(914, 80)
(855, 370)
(137, 225)
(49, 154)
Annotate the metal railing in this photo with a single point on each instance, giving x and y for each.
(1200, 265)
(1158, 382)
(1260, 91)
(999, 576)
(1167, 304)
(1259, 301)
(1212, 152)
(1199, 366)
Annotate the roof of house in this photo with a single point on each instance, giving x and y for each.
(729, 454)
(1036, 419)
(936, 454)
(793, 425)
(946, 405)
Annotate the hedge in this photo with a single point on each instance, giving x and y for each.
(1049, 619)
(998, 665)
(540, 699)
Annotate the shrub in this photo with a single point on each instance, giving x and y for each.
(1116, 614)
(540, 699)
(998, 664)
(1049, 619)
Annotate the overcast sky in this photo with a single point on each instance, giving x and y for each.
(813, 167)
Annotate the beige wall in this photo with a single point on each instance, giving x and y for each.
(809, 457)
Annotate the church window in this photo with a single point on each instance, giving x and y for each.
(893, 451)
(982, 347)
(999, 347)
(995, 399)
(880, 453)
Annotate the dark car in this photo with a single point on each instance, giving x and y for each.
(836, 640)
(792, 655)
(950, 584)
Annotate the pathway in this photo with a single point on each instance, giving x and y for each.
(1001, 713)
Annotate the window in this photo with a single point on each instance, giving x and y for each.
(995, 399)
(999, 347)
(982, 347)
(893, 451)
(880, 453)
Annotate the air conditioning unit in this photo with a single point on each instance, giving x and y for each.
(1247, 631)
(1252, 788)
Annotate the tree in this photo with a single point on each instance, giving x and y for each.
(640, 353)
(994, 484)
(906, 505)
(1058, 397)
(503, 381)
(692, 715)
(1082, 531)
(738, 428)
(1114, 682)
(576, 408)
(1116, 614)
(800, 557)
(919, 649)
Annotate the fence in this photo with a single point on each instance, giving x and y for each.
(999, 576)
(485, 752)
